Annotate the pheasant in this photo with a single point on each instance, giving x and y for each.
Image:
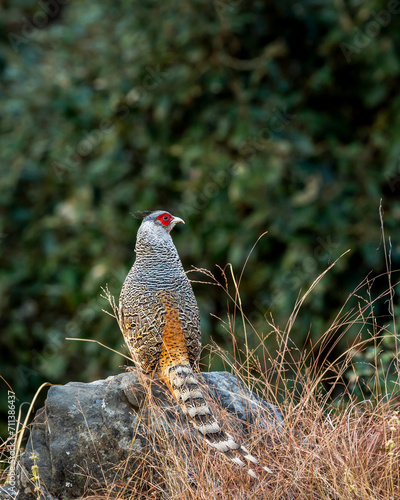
(160, 321)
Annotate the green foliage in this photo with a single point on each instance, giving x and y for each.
(240, 117)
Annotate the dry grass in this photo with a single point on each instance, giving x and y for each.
(340, 447)
(334, 445)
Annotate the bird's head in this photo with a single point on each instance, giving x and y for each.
(159, 221)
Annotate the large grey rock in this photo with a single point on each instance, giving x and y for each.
(85, 431)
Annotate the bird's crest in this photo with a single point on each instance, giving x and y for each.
(141, 214)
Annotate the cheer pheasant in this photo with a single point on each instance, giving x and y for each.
(160, 322)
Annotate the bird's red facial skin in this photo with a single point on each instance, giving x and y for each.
(165, 219)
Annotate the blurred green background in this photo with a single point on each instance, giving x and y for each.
(239, 116)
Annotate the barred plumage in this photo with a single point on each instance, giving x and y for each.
(160, 322)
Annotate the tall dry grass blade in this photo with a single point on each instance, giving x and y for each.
(388, 262)
(238, 298)
(299, 302)
(20, 432)
(102, 345)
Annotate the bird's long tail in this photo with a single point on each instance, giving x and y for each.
(186, 390)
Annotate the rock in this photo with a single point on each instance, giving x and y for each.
(85, 431)
(7, 492)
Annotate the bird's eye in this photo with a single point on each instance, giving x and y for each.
(165, 219)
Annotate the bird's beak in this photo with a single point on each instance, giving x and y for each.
(175, 220)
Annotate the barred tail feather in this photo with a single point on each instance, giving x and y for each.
(186, 390)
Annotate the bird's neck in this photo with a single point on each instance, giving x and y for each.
(151, 245)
